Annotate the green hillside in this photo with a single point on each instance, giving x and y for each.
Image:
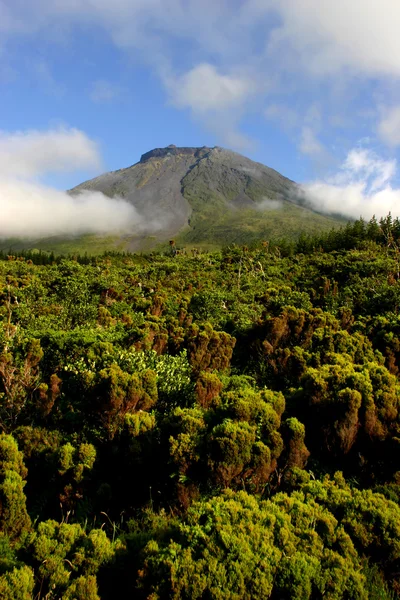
(249, 226)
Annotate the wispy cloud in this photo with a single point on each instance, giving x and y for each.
(268, 204)
(309, 144)
(286, 116)
(41, 71)
(103, 91)
(389, 126)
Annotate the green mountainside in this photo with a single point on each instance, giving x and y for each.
(207, 197)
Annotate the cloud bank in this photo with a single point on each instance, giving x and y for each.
(30, 209)
(363, 188)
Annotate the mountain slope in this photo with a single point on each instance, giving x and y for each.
(207, 196)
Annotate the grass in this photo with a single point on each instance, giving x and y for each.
(248, 226)
(90, 244)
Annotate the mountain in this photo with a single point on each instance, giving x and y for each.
(207, 197)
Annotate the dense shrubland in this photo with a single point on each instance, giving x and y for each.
(220, 425)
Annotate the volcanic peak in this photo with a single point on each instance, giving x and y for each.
(173, 150)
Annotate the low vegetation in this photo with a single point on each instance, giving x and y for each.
(211, 425)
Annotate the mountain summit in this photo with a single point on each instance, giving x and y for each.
(172, 150)
(206, 196)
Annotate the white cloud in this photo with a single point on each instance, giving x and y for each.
(283, 114)
(373, 170)
(320, 36)
(313, 116)
(32, 153)
(7, 20)
(389, 126)
(309, 143)
(228, 132)
(41, 72)
(204, 89)
(363, 187)
(104, 91)
(33, 210)
(216, 99)
(30, 209)
(356, 35)
(340, 121)
(268, 204)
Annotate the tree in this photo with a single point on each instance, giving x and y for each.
(14, 519)
(233, 546)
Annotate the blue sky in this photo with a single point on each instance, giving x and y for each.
(308, 87)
